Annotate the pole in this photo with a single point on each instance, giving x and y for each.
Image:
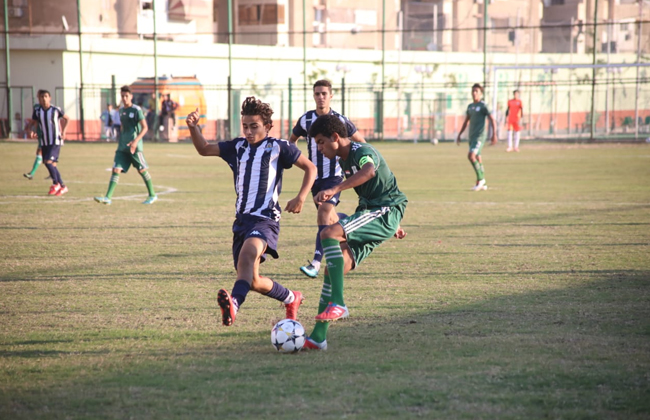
(229, 121)
(609, 43)
(638, 61)
(383, 68)
(81, 76)
(156, 131)
(10, 117)
(304, 56)
(568, 116)
(422, 107)
(485, 23)
(400, 17)
(592, 125)
(343, 95)
(290, 104)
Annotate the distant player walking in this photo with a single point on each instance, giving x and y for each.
(514, 114)
(129, 148)
(51, 124)
(329, 170)
(476, 113)
(258, 163)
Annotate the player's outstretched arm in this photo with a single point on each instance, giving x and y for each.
(295, 205)
(494, 131)
(200, 143)
(462, 129)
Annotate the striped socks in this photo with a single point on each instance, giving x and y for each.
(115, 178)
(335, 266)
(147, 181)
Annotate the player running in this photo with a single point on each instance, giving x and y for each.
(129, 148)
(377, 218)
(329, 171)
(514, 114)
(475, 116)
(258, 162)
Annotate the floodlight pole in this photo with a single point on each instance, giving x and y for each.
(81, 75)
(230, 107)
(593, 74)
(304, 56)
(156, 130)
(10, 117)
(485, 23)
(638, 61)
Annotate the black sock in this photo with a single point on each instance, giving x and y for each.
(239, 292)
(278, 292)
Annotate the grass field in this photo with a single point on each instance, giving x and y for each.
(530, 300)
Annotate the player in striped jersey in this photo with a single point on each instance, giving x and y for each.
(51, 124)
(377, 218)
(258, 163)
(329, 170)
(129, 148)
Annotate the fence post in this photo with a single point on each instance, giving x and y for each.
(10, 117)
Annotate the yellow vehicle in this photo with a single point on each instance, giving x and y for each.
(187, 92)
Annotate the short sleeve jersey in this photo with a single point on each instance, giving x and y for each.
(326, 168)
(382, 189)
(514, 106)
(257, 172)
(49, 125)
(477, 113)
(130, 118)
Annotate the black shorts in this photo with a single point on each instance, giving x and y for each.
(324, 184)
(51, 152)
(247, 226)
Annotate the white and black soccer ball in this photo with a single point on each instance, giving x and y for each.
(288, 336)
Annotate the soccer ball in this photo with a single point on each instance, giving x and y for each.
(434, 141)
(288, 336)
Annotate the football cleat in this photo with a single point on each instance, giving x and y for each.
(309, 270)
(313, 345)
(151, 199)
(292, 308)
(103, 200)
(62, 191)
(333, 312)
(28, 176)
(227, 306)
(54, 189)
(509, 149)
(516, 149)
(480, 186)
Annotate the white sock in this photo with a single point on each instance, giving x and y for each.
(516, 139)
(289, 298)
(316, 264)
(509, 139)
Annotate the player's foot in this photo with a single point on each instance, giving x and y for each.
(480, 186)
(509, 149)
(310, 270)
(54, 189)
(62, 191)
(313, 345)
(227, 306)
(292, 308)
(151, 199)
(333, 312)
(103, 200)
(516, 149)
(28, 176)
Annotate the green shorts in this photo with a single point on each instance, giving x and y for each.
(124, 160)
(367, 229)
(476, 145)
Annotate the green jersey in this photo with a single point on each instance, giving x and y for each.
(380, 191)
(130, 118)
(477, 113)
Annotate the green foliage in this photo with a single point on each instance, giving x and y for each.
(528, 300)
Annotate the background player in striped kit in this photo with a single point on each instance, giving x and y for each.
(258, 163)
(514, 114)
(329, 170)
(51, 123)
(129, 148)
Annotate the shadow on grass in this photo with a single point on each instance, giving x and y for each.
(575, 352)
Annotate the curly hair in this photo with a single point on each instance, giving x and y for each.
(252, 106)
(327, 125)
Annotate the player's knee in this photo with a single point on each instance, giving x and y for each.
(117, 170)
(333, 231)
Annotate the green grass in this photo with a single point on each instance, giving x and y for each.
(529, 300)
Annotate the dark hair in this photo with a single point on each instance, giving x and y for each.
(323, 82)
(327, 125)
(515, 91)
(477, 85)
(125, 89)
(252, 106)
(43, 92)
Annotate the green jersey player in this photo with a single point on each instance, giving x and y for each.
(377, 218)
(129, 148)
(476, 113)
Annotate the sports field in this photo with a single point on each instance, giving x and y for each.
(530, 300)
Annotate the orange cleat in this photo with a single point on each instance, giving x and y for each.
(54, 189)
(333, 312)
(292, 308)
(227, 306)
(62, 191)
(313, 345)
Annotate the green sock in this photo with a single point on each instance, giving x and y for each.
(147, 181)
(319, 334)
(37, 163)
(335, 266)
(115, 178)
(478, 169)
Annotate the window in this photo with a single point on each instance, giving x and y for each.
(261, 14)
(557, 2)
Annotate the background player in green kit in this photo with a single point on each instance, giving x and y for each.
(377, 217)
(476, 113)
(129, 148)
